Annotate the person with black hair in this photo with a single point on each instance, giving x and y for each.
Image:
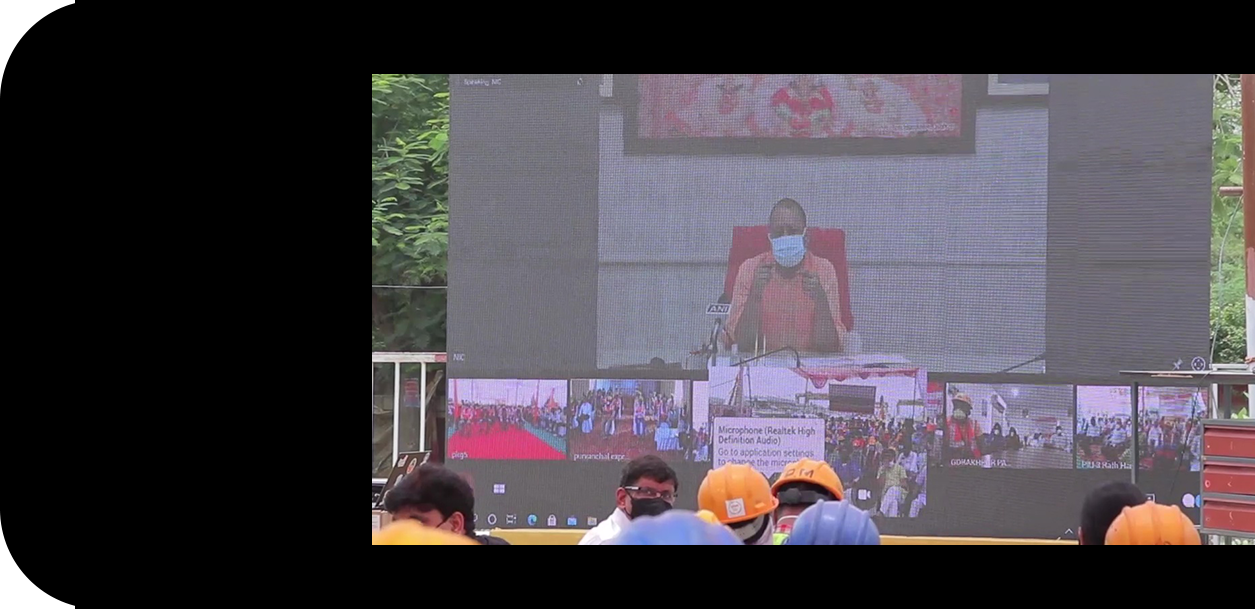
(438, 498)
(1102, 506)
(1013, 440)
(646, 488)
(994, 441)
(787, 296)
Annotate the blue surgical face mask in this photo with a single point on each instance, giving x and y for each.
(788, 250)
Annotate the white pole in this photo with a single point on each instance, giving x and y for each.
(422, 416)
(396, 412)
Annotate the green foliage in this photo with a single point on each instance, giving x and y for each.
(1228, 287)
(1229, 319)
(409, 209)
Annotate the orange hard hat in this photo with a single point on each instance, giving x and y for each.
(408, 532)
(814, 472)
(736, 493)
(1151, 524)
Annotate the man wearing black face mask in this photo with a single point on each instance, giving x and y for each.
(647, 488)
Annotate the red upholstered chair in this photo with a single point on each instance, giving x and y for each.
(828, 243)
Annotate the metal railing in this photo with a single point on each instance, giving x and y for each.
(397, 359)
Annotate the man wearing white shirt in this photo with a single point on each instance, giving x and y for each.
(586, 417)
(1118, 435)
(1155, 437)
(647, 488)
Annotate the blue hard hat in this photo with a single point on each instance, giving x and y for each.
(834, 523)
(675, 528)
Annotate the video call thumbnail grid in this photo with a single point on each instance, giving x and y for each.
(882, 430)
(1016, 426)
(1033, 427)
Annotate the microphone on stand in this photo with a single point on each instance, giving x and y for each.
(720, 308)
(713, 347)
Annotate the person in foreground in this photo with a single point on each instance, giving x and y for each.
(411, 533)
(786, 297)
(675, 528)
(437, 498)
(1151, 524)
(740, 497)
(834, 523)
(801, 485)
(646, 488)
(1102, 506)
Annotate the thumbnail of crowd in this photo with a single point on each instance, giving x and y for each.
(885, 458)
(627, 422)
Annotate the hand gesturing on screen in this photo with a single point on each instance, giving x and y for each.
(811, 287)
(762, 275)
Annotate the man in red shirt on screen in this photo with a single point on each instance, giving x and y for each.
(786, 297)
(963, 429)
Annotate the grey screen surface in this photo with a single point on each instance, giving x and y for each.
(1046, 240)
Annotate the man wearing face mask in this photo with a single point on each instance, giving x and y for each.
(786, 297)
(963, 430)
(647, 488)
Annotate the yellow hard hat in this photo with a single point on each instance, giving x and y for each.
(407, 532)
(708, 516)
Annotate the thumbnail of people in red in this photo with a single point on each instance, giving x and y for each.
(1172, 443)
(507, 419)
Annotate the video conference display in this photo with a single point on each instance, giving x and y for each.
(764, 267)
